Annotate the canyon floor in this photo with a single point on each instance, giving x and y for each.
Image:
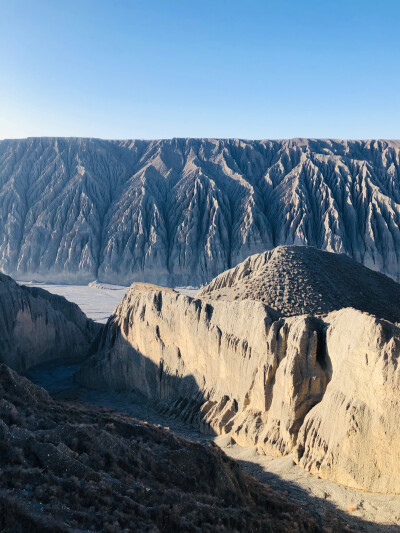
(97, 300)
(328, 502)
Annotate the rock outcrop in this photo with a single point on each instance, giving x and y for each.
(37, 326)
(297, 280)
(353, 435)
(181, 211)
(325, 387)
(224, 366)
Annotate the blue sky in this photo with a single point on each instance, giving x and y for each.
(188, 68)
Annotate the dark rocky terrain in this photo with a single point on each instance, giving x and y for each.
(68, 467)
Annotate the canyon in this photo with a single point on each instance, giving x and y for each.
(322, 386)
(286, 349)
(288, 362)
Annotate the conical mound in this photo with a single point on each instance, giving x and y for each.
(296, 280)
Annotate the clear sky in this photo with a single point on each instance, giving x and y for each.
(198, 68)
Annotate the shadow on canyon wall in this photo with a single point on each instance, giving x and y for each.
(174, 395)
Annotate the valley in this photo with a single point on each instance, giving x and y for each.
(326, 500)
(268, 363)
(199, 267)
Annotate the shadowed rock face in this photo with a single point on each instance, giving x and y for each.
(71, 467)
(326, 387)
(297, 280)
(180, 211)
(36, 327)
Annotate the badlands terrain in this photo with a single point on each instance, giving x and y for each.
(323, 387)
(181, 211)
(293, 377)
(69, 467)
(37, 326)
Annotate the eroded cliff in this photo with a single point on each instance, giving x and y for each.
(181, 211)
(36, 327)
(353, 435)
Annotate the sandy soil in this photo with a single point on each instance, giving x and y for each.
(329, 503)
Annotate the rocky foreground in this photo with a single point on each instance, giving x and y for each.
(181, 211)
(324, 387)
(70, 467)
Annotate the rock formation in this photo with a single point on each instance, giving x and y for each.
(37, 326)
(353, 435)
(297, 280)
(325, 387)
(70, 467)
(181, 211)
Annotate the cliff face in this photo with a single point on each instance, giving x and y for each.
(221, 357)
(327, 389)
(180, 211)
(36, 327)
(353, 435)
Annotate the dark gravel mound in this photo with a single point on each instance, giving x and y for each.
(70, 467)
(296, 280)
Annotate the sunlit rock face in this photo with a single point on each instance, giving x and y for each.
(322, 385)
(353, 435)
(180, 211)
(37, 326)
(226, 363)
